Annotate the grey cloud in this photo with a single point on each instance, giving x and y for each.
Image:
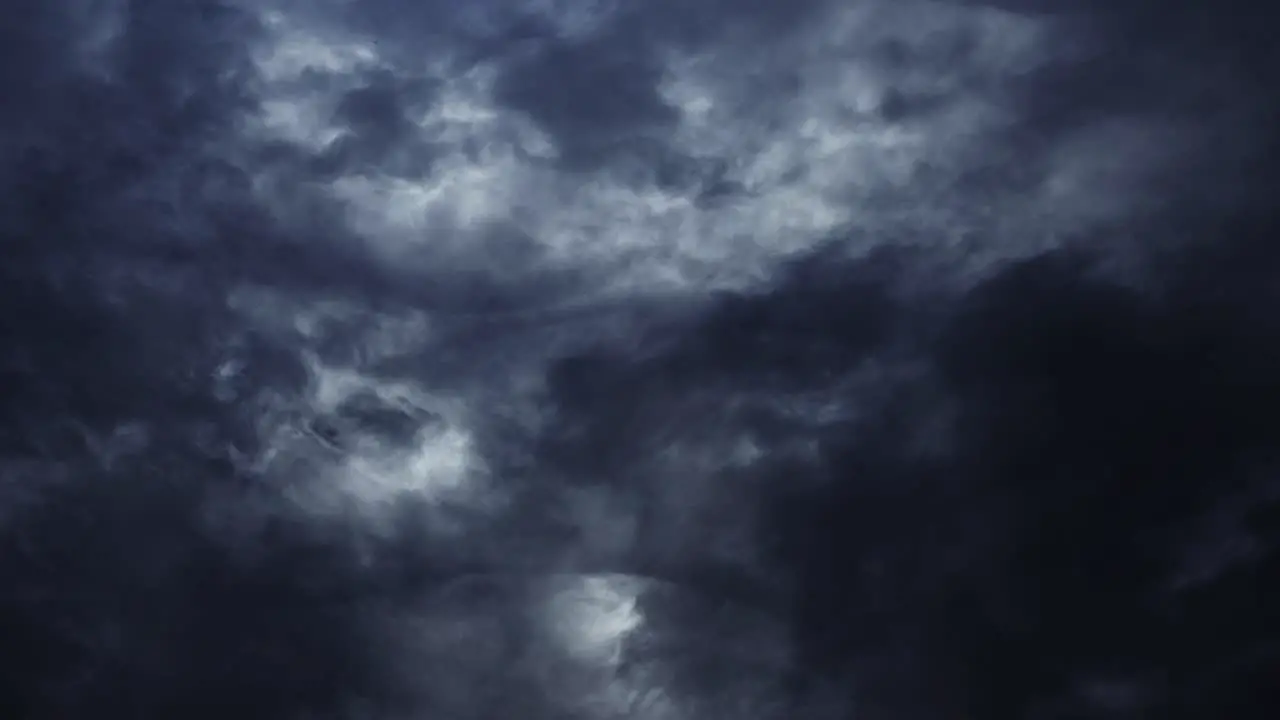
(380, 130)
(596, 99)
(315, 315)
(1082, 428)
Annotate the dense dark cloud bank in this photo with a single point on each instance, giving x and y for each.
(607, 359)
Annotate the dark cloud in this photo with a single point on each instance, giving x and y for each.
(380, 133)
(1035, 554)
(115, 599)
(596, 98)
(365, 408)
(1009, 531)
(1116, 423)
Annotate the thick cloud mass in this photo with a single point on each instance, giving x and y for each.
(602, 359)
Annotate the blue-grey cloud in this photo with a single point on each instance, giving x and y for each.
(670, 359)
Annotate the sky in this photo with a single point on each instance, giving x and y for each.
(666, 360)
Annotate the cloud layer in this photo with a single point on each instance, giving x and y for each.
(596, 359)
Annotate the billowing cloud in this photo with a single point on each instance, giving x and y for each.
(595, 359)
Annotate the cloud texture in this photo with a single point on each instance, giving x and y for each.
(604, 359)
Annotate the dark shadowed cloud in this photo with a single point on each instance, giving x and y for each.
(598, 359)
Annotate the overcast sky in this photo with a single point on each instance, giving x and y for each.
(662, 359)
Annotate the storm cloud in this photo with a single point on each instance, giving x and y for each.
(601, 359)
